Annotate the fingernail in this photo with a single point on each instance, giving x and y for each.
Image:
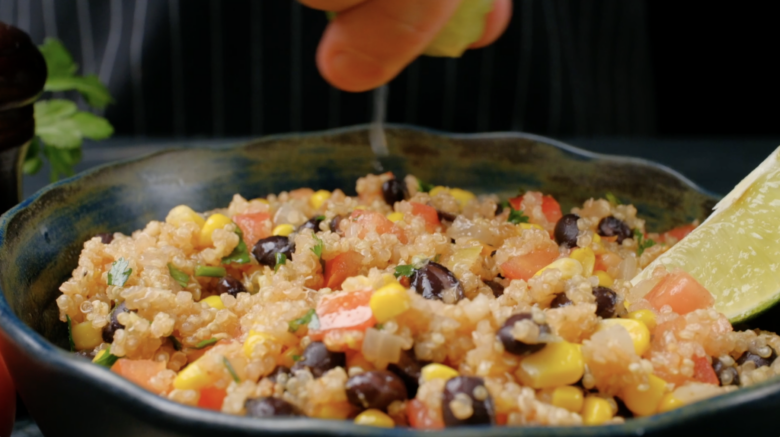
(354, 71)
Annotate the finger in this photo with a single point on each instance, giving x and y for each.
(496, 23)
(331, 5)
(367, 46)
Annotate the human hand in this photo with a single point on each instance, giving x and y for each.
(371, 41)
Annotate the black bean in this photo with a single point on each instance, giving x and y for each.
(334, 223)
(432, 279)
(270, 407)
(375, 389)
(473, 387)
(446, 216)
(278, 371)
(517, 347)
(560, 301)
(566, 231)
(499, 209)
(498, 289)
(757, 359)
(106, 238)
(394, 191)
(606, 302)
(230, 285)
(266, 249)
(318, 359)
(409, 370)
(611, 227)
(113, 324)
(727, 375)
(313, 224)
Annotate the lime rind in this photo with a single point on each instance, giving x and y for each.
(464, 28)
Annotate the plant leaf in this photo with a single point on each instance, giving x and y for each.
(107, 359)
(119, 272)
(182, 278)
(231, 370)
(317, 249)
(93, 127)
(405, 270)
(205, 343)
(95, 93)
(59, 63)
(240, 254)
(297, 323)
(70, 333)
(32, 166)
(516, 216)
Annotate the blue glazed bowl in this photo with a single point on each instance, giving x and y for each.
(40, 241)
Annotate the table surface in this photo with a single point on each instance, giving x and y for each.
(716, 164)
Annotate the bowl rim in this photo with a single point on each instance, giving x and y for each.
(38, 348)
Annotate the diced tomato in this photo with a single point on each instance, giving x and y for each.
(343, 266)
(254, 226)
(428, 213)
(421, 417)
(678, 233)
(501, 419)
(703, 371)
(211, 398)
(344, 311)
(550, 207)
(680, 291)
(525, 266)
(138, 371)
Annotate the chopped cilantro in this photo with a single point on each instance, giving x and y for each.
(107, 359)
(182, 278)
(281, 259)
(406, 270)
(70, 333)
(423, 187)
(230, 369)
(317, 249)
(240, 254)
(437, 258)
(319, 218)
(612, 199)
(641, 242)
(205, 343)
(176, 342)
(516, 216)
(210, 271)
(297, 358)
(119, 272)
(379, 326)
(305, 320)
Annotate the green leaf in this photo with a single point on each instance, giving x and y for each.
(296, 358)
(119, 272)
(210, 272)
(32, 166)
(423, 187)
(516, 216)
(613, 199)
(107, 359)
(61, 160)
(176, 343)
(95, 93)
(297, 323)
(59, 63)
(231, 370)
(437, 258)
(70, 333)
(54, 123)
(92, 126)
(641, 243)
(317, 249)
(182, 278)
(281, 259)
(319, 218)
(406, 270)
(240, 254)
(205, 343)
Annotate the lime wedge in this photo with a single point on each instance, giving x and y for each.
(735, 253)
(463, 29)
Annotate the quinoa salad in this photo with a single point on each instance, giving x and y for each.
(408, 305)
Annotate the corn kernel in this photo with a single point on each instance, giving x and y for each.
(645, 402)
(597, 238)
(604, 279)
(283, 230)
(182, 214)
(261, 200)
(193, 377)
(568, 267)
(395, 216)
(361, 208)
(645, 316)
(216, 221)
(523, 226)
(99, 355)
(333, 410)
(669, 402)
(253, 339)
(438, 371)
(389, 301)
(318, 199)
(559, 363)
(587, 258)
(438, 189)
(596, 411)
(638, 332)
(462, 196)
(568, 397)
(85, 336)
(374, 417)
(214, 302)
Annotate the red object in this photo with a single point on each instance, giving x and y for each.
(138, 371)
(678, 233)
(516, 202)
(7, 401)
(680, 291)
(606, 261)
(346, 311)
(254, 226)
(374, 221)
(551, 209)
(703, 371)
(525, 266)
(421, 417)
(428, 213)
(212, 398)
(343, 266)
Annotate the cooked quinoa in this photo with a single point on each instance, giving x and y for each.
(401, 307)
